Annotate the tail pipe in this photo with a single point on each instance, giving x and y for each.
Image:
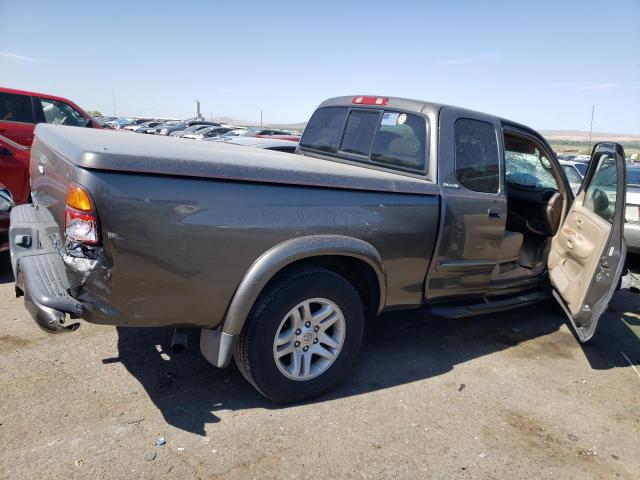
(179, 340)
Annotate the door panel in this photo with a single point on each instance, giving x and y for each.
(575, 253)
(14, 168)
(474, 205)
(588, 252)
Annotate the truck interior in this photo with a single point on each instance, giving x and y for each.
(536, 201)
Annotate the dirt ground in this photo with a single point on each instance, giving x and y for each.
(504, 396)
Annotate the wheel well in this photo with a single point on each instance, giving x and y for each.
(357, 272)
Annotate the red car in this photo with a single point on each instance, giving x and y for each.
(20, 111)
(14, 169)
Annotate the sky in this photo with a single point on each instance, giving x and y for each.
(542, 63)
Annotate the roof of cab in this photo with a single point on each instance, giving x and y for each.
(421, 106)
(408, 104)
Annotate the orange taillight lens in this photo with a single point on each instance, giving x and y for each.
(78, 198)
(80, 221)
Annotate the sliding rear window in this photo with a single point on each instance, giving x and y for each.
(323, 130)
(381, 137)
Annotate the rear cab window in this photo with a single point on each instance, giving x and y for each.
(385, 138)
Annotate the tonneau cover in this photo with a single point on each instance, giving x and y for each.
(131, 152)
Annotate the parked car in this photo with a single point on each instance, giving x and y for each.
(278, 145)
(209, 132)
(291, 138)
(252, 132)
(166, 129)
(574, 174)
(278, 259)
(20, 111)
(135, 127)
(191, 129)
(166, 124)
(632, 211)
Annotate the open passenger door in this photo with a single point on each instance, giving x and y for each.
(588, 252)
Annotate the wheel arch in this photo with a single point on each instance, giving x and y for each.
(322, 250)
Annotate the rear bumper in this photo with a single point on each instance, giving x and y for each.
(632, 237)
(39, 270)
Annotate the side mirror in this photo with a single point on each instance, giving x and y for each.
(88, 123)
(6, 201)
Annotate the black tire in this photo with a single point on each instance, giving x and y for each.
(254, 350)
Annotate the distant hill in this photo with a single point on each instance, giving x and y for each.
(577, 135)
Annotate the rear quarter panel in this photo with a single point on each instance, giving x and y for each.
(175, 248)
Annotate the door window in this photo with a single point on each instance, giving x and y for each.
(60, 113)
(600, 196)
(527, 166)
(476, 155)
(15, 108)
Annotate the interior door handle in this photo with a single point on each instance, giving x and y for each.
(495, 213)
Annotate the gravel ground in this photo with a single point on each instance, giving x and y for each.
(510, 395)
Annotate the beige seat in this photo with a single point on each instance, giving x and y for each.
(510, 248)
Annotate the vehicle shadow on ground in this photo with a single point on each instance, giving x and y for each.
(6, 274)
(399, 348)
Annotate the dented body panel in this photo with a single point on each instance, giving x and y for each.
(175, 248)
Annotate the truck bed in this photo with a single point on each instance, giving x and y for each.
(124, 152)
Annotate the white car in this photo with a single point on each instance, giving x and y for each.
(575, 172)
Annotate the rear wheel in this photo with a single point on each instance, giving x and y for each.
(302, 336)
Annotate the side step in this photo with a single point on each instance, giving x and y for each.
(487, 306)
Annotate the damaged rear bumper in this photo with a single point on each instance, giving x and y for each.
(39, 270)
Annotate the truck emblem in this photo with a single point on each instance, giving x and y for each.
(451, 185)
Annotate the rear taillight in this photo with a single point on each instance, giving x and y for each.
(632, 213)
(370, 100)
(80, 221)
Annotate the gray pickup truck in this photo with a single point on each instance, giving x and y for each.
(280, 258)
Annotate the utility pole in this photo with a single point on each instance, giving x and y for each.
(593, 107)
(260, 117)
(114, 102)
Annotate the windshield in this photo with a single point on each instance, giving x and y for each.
(633, 177)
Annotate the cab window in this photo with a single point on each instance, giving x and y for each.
(400, 141)
(16, 108)
(476, 157)
(359, 131)
(61, 113)
(323, 130)
(386, 138)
